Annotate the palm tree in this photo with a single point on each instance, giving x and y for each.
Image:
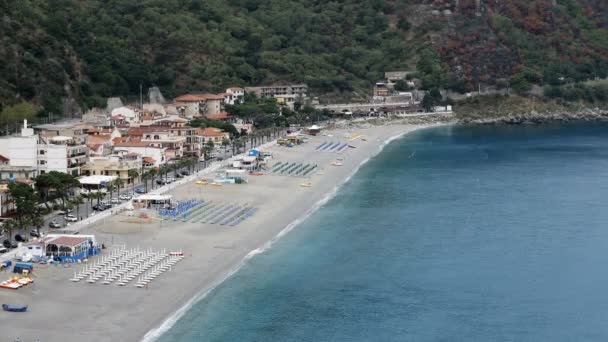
(97, 195)
(77, 201)
(111, 187)
(133, 175)
(37, 220)
(118, 183)
(148, 175)
(225, 143)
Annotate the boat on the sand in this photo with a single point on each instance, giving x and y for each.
(14, 308)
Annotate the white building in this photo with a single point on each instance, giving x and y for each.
(234, 95)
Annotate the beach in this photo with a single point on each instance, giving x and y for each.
(61, 310)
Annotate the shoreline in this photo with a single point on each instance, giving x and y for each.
(158, 332)
(106, 313)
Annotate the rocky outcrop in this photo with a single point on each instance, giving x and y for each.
(534, 117)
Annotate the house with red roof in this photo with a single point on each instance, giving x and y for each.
(197, 105)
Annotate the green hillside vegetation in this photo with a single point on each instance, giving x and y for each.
(88, 50)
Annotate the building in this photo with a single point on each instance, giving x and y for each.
(115, 165)
(287, 100)
(19, 155)
(193, 141)
(69, 247)
(73, 129)
(62, 154)
(300, 90)
(394, 76)
(234, 95)
(100, 140)
(214, 134)
(197, 105)
(152, 156)
(160, 136)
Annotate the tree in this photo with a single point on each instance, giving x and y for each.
(209, 145)
(9, 226)
(225, 143)
(15, 114)
(25, 200)
(133, 175)
(62, 183)
(98, 195)
(401, 85)
(118, 183)
(76, 201)
(520, 84)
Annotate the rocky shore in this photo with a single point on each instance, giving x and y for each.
(534, 117)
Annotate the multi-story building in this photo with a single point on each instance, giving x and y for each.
(214, 134)
(160, 136)
(30, 154)
(197, 105)
(234, 95)
(20, 155)
(299, 90)
(152, 156)
(117, 165)
(62, 154)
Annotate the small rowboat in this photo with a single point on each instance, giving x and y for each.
(216, 184)
(13, 308)
(337, 164)
(202, 182)
(306, 185)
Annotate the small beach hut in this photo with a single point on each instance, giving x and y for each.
(313, 130)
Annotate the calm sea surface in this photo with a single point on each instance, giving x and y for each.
(450, 234)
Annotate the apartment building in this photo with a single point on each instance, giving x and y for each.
(299, 90)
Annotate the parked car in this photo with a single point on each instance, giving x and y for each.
(8, 244)
(115, 200)
(185, 173)
(124, 197)
(65, 212)
(140, 190)
(54, 224)
(34, 233)
(70, 218)
(3, 250)
(160, 181)
(99, 207)
(170, 180)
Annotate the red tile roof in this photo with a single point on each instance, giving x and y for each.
(213, 132)
(3, 159)
(218, 116)
(189, 98)
(135, 143)
(149, 160)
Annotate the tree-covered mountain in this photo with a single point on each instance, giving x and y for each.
(87, 50)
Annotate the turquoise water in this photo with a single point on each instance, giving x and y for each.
(451, 234)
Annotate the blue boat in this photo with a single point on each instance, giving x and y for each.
(13, 308)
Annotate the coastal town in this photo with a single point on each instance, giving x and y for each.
(130, 197)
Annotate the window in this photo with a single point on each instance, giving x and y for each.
(156, 137)
(42, 162)
(41, 151)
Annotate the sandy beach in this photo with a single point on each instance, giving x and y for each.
(61, 310)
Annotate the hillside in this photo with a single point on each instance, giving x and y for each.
(87, 50)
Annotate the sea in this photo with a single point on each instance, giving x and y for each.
(453, 233)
